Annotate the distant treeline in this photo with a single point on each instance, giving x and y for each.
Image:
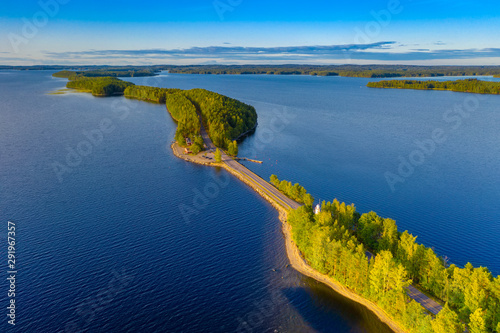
(335, 241)
(370, 71)
(115, 72)
(467, 85)
(100, 86)
(78, 68)
(224, 118)
(294, 192)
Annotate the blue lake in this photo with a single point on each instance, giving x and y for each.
(104, 246)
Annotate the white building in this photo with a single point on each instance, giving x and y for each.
(317, 209)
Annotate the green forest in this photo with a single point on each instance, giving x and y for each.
(335, 242)
(369, 71)
(467, 85)
(111, 72)
(149, 94)
(225, 119)
(188, 122)
(100, 86)
(294, 192)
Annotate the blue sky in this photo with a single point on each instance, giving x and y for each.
(425, 32)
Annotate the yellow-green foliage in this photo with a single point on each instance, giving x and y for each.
(150, 94)
(184, 112)
(294, 192)
(334, 243)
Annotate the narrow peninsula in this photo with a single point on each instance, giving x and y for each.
(361, 256)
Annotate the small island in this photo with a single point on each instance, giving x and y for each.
(468, 85)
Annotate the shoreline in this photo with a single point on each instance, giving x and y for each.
(435, 89)
(299, 264)
(294, 256)
(242, 135)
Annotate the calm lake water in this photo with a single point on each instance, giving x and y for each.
(125, 237)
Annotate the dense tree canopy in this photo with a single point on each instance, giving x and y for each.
(335, 242)
(468, 85)
(101, 86)
(66, 74)
(150, 94)
(224, 118)
(184, 112)
(294, 192)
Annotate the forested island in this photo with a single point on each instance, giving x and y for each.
(225, 118)
(467, 85)
(336, 240)
(368, 71)
(111, 72)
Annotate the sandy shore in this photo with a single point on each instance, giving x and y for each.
(293, 253)
(299, 264)
(198, 159)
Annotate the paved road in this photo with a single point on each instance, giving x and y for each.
(263, 185)
(425, 301)
(428, 303)
(288, 203)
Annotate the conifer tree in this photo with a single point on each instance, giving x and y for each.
(217, 156)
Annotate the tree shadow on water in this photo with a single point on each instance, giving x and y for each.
(324, 310)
